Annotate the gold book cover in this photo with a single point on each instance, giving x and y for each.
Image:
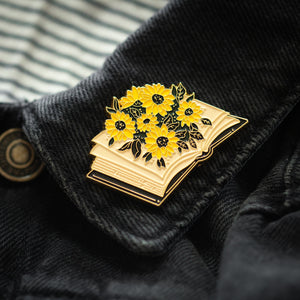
(154, 137)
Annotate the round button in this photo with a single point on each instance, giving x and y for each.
(18, 161)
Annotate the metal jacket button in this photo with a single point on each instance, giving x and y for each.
(18, 161)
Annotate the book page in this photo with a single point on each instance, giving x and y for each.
(122, 165)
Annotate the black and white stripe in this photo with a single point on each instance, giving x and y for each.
(49, 45)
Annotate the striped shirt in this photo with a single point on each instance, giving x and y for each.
(47, 46)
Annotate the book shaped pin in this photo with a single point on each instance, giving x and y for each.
(154, 137)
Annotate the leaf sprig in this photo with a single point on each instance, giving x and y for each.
(187, 135)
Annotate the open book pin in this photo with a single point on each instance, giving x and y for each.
(154, 137)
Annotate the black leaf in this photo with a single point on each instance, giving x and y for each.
(173, 90)
(183, 145)
(136, 148)
(168, 120)
(180, 91)
(126, 146)
(147, 153)
(206, 121)
(179, 149)
(181, 134)
(173, 126)
(158, 163)
(111, 141)
(162, 161)
(149, 156)
(193, 127)
(110, 110)
(192, 143)
(196, 135)
(135, 112)
(116, 103)
(192, 97)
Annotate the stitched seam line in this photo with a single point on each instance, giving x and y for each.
(289, 171)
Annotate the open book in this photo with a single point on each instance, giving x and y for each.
(150, 170)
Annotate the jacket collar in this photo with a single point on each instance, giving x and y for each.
(223, 59)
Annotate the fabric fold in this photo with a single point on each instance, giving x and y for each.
(223, 60)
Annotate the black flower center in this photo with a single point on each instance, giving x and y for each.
(162, 141)
(120, 125)
(137, 103)
(146, 121)
(188, 112)
(158, 99)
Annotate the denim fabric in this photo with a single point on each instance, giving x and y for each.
(230, 231)
(228, 62)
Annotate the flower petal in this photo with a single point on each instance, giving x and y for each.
(155, 109)
(158, 153)
(166, 92)
(150, 88)
(128, 133)
(171, 134)
(114, 132)
(150, 140)
(173, 139)
(114, 117)
(165, 130)
(147, 103)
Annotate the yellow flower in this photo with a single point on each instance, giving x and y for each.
(146, 122)
(188, 112)
(120, 126)
(157, 99)
(133, 95)
(161, 142)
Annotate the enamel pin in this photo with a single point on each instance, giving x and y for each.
(154, 137)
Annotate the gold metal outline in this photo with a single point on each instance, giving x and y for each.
(179, 180)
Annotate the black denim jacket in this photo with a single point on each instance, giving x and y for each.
(232, 228)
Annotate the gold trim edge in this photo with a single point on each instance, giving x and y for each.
(156, 200)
